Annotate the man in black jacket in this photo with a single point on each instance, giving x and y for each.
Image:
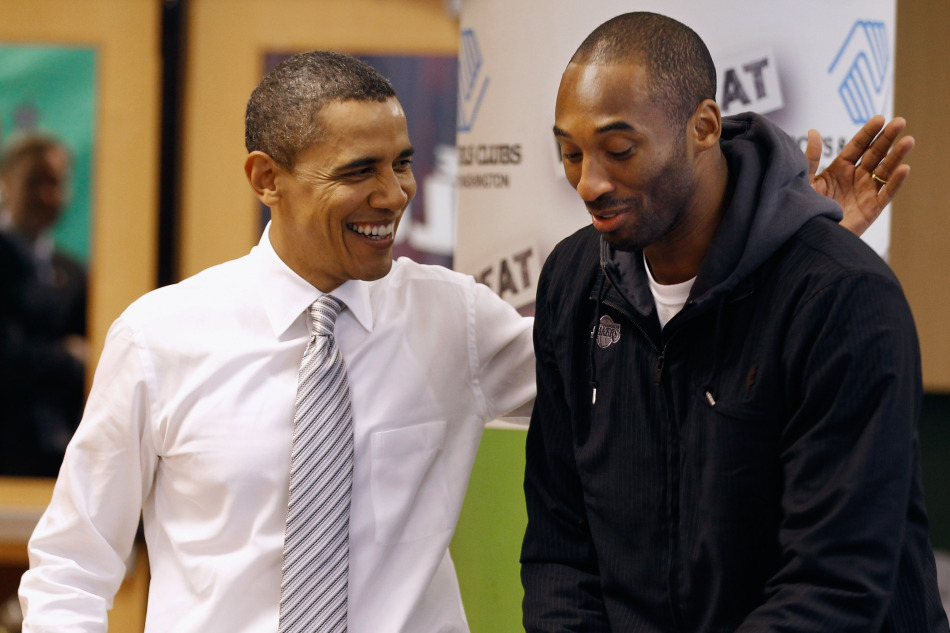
(728, 381)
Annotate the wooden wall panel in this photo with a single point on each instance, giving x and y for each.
(920, 227)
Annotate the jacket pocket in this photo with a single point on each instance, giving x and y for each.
(740, 464)
(409, 489)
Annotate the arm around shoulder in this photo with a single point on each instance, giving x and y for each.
(504, 356)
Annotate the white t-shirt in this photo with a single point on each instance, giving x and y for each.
(669, 298)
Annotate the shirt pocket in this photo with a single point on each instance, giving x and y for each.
(409, 488)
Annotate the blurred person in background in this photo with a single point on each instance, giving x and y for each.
(42, 311)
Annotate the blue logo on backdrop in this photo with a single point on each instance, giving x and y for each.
(861, 67)
(472, 83)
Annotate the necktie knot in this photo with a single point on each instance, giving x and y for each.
(323, 314)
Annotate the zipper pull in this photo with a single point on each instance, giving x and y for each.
(710, 399)
(658, 372)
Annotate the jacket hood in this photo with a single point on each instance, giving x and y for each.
(771, 199)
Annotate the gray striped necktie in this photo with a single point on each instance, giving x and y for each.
(314, 583)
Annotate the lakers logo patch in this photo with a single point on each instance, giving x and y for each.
(608, 332)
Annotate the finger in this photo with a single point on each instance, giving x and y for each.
(882, 144)
(887, 163)
(813, 152)
(894, 182)
(863, 139)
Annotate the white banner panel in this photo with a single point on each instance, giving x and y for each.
(804, 64)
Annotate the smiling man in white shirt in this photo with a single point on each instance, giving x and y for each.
(190, 418)
(191, 414)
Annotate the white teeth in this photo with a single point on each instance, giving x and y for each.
(372, 231)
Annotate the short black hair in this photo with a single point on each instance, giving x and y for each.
(282, 113)
(681, 72)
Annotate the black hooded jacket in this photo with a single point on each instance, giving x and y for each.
(753, 466)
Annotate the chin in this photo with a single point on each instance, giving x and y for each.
(624, 243)
(376, 272)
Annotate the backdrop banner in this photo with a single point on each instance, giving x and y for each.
(807, 64)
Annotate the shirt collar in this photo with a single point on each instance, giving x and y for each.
(286, 295)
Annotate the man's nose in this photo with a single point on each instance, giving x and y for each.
(594, 181)
(389, 193)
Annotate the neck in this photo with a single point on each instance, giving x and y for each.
(678, 256)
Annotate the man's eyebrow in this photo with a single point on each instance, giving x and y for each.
(616, 126)
(358, 163)
(372, 160)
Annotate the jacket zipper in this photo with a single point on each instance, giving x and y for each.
(660, 353)
(658, 371)
(673, 467)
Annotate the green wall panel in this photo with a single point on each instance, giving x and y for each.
(487, 542)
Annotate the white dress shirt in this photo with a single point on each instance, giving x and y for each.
(190, 420)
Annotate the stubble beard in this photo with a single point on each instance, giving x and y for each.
(671, 191)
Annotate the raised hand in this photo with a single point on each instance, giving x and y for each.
(866, 175)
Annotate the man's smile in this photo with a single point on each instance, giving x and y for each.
(373, 231)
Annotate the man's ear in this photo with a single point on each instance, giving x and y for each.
(261, 171)
(705, 126)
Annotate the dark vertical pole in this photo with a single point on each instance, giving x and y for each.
(173, 59)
